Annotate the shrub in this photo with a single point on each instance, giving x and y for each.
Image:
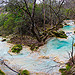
(2, 73)
(74, 32)
(17, 48)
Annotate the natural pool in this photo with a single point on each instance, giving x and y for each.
(56, 50)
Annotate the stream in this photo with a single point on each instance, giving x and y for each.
(48, 59)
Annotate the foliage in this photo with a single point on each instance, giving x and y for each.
(2, 18)
(17, 17)
(2, 73)
(66, 70)
(17, 48)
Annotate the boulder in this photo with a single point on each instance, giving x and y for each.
(3, 40)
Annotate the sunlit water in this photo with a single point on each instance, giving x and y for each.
(55, 48)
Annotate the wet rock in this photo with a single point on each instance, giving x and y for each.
(10, 52)
(3, 40)
(44, 57)
(56, 59)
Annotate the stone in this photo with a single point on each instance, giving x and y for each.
(44, 57)
(3, 40)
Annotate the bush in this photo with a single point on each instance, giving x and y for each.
(74, 32)
(16, 48)
(2, 73)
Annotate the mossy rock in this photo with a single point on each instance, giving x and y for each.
(2, 73)
(24, 72)
(56, 33)
(66, 71)
(33, 47)
(63, 36)
(60, 34)
(16, 49)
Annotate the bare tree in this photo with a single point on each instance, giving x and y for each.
(44, 11)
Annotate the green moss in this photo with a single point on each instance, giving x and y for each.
(2, 73)
(60, 34)
(56, 33)
(64, 71)
(17, 48)
(63, 36)
(68, 67)
(33, 47)
(24, 72)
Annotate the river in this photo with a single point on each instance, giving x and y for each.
(49, 58)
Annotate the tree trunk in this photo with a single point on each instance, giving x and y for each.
(44, 12)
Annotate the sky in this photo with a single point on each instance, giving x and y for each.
(38, 1)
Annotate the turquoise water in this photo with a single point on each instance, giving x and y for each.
(27, 60)
(68, 28)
